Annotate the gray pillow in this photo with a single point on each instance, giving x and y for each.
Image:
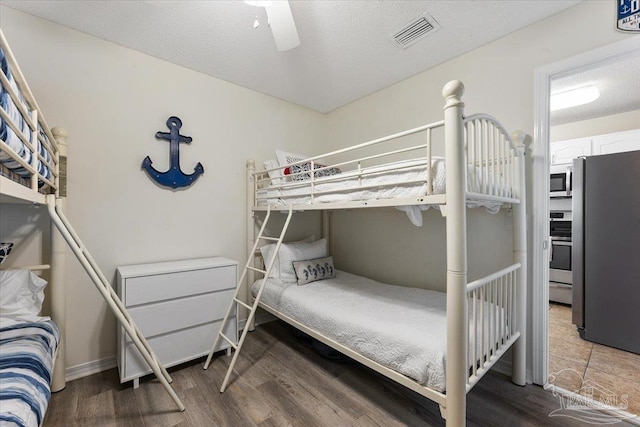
(314, 269)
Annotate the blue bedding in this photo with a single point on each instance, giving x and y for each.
(10, 137)
(27, 352)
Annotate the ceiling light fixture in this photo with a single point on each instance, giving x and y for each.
(574, 97)
(280, 19)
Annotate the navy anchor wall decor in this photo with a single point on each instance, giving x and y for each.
(174, 177)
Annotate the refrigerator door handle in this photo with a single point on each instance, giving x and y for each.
(577, 236)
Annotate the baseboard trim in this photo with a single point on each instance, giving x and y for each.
(95, 366)
(90, 368)
(504, 367)
(262, 317)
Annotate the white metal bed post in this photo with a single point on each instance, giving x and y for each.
(456, 363)
(251, 230)
(326, 229)
(519, 362)
(58, 261)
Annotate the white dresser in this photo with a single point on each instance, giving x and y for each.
(178, 306)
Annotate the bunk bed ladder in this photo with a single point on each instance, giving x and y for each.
(236, 301)
(110, 296)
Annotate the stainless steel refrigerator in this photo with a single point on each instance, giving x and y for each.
(606, 249)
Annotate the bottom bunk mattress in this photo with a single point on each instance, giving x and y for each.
(27, 352)
(402, 328)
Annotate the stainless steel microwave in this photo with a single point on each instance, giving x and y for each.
(560, 181)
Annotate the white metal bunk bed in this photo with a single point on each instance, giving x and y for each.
(33, 170)
(484, 167)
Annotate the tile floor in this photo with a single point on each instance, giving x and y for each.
(575, 363)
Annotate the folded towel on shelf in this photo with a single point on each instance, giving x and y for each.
(15, 143)
(7, 104)
(4, 66)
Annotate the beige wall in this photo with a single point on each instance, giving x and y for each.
(112, 100)
(598, 126)
(499, 80)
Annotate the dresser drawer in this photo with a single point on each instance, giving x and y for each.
(175, 348)
(173, 315)
(147, 289)
(178, 306)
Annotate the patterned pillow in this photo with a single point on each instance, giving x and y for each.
(5, 250)
(275, 175)
(285, 159)
(306, 167)
(314, 269)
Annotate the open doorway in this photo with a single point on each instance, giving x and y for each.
(556, 343)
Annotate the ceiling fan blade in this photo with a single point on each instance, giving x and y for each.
(282, 25)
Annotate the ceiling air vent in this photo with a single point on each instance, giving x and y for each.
(415, 31)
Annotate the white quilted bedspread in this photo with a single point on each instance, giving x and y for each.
(401, 328)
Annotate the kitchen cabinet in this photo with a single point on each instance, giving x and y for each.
(616, 142)
(563, 152)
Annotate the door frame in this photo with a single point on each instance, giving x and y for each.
(540, 200)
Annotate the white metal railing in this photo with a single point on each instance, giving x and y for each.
(490, 156)
(492, 319)
(20, 95)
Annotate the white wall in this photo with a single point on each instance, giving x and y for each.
(112, 100)
(499, 81)
(598, 126)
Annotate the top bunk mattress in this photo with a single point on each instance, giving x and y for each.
(402, 328)
(405, 179)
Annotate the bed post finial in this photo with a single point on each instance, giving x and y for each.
(60, 134)
(518, 137)
(452, 93)
(251, 164)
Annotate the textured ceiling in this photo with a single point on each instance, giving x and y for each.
(619, 86)
(345, 52)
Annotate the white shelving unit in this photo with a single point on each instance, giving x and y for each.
(178, 306)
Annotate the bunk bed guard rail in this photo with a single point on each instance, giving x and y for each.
(490, 155)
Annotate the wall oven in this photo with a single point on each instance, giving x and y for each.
(560, 181)
(560, 252)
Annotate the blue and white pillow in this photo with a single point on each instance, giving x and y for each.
(314, 269)
(5, 250)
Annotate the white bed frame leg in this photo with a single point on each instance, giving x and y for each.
(456, 226)
(58, 277)
(519, 362)
(251, 234)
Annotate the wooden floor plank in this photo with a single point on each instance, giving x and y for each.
(280, 381)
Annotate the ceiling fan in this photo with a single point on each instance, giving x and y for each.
(281, 22)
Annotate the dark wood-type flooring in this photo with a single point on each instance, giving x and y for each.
(284, 382)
